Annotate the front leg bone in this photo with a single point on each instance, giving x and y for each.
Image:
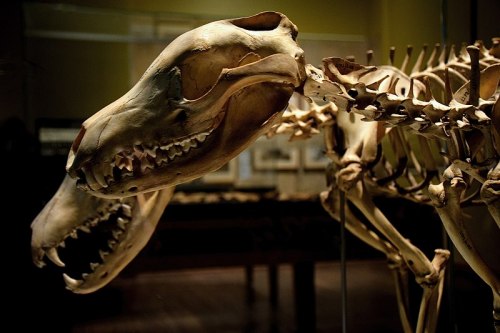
(490, 193)
(428, 274)
(446, 198)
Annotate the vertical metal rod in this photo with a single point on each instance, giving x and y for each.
(343, 266)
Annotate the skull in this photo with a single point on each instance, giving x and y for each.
(97, 236)
(206, 98)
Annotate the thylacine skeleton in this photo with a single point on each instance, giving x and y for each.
(217, 88)
(384, 105)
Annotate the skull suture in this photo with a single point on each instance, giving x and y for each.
(112, 232)
(207, 97)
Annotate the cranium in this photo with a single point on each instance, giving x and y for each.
(207, 97)
(116, 230)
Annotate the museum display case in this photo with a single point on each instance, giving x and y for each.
(330, 193)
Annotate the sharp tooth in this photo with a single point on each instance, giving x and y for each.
(201, 137)
(91, 181)
(54, 257)
(139, 149)
(186, 145)
(116, 234)
(74, 234)
(71, 283)
(193, 143)
(151, 151)
(103, 254)
(121, 223)
(94, 222)
(111, 244)
(84, 228)
(128, 164)
(99, 177)
(171, 153)
(62, 244)
(93, 266)
(115, 207)
(127, 210)
(106, 216)
(166, 147)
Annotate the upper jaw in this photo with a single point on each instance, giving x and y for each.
(138, 160)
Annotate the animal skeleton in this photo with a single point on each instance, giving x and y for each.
(209, 95)
(464, 125)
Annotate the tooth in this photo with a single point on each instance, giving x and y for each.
(99, 177)
(115, 207)
(103, 254)
(71, 283)
(171, 153)
(91, 181)
(201, 137)
(127, 210)
(94, 222)
(106, 216)
(186, 145)
(54, 257)
(85, 276)
(128, 164)
(62, 244)
(151, 151)
(139, 148)
(116, 234)
(121, 223)
(166, 147)
(84, 228)
(93, 266)
(111, 244)
(193, 143)
(74, 234)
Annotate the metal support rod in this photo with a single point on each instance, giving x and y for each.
(343, 266)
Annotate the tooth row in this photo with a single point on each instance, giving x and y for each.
(86, 227)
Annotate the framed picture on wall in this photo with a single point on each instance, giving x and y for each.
(227, 174)
(275, 155)
(314, 157)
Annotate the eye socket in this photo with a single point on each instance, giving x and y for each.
(181, 116)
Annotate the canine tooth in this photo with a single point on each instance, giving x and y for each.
(91, 181)
(54, 257)
(103, 254)
(121, 223)
(99, 177)
(111, 243)
(93, 266)
(127, 210)
(71, 283)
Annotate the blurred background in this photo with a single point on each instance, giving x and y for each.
(264, 261)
